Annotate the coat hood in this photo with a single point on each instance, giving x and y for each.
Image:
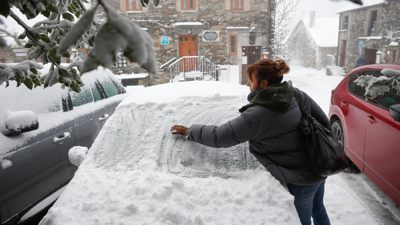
(274, 97)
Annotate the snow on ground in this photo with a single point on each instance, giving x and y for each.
(138, 173)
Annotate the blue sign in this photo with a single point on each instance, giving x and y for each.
(164, 40)
(360, 44)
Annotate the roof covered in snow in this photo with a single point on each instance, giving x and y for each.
(325, 32)
(366, 3)
(187, 24)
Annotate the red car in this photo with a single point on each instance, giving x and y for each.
(369, 130)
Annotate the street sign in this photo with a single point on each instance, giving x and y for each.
(360, 44)
(164, 40)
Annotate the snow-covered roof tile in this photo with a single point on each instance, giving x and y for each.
(366, 3)
(325, 32)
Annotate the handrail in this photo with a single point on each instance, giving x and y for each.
(167, 62)
(193, 68)
(184, 57)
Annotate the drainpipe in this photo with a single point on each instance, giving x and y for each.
(271, 35)
(338, 57)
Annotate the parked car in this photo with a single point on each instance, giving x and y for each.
(369, 130)
(38, 127)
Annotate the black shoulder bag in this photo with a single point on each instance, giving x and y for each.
(326, 155)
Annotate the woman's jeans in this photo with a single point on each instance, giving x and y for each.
(308, 201)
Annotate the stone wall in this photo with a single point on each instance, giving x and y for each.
(359, 21)
(13, 54)
(214, 15)
(391, 22)
(322, 52)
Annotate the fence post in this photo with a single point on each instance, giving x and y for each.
(184, 68)
(170, 71)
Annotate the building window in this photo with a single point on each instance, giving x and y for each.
(345, 23)
(233, 44)
(187, 4)
(372, 23)
(394, 54)
(237, 4)
(82, 53)
(133, 5)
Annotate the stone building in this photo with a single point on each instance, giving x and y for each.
(312, 39)
(369, 31)
(13, 54)
(227, 32)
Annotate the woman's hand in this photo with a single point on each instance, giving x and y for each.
(179, 129)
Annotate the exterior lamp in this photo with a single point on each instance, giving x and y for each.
(252, 36)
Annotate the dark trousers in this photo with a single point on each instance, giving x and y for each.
(308, 201)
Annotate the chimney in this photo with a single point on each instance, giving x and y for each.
(312, 19)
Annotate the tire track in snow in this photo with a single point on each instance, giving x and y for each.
(366, 196)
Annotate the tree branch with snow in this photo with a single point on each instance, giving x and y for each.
(375, 86)
(50, 40)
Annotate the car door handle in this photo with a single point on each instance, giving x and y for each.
(371, 119)
(62, 138)
(344, 104)
(104, 117)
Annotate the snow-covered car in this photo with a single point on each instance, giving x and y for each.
(38, 127)
(369, 129)
(137, 172)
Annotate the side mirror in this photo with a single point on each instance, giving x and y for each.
(77, 154)
(20, 122)
(395, 112)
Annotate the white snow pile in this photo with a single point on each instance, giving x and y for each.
(391, 72)
(5, 163)
(366, 3)
(77, 154)
(137, 172)
(21, 119)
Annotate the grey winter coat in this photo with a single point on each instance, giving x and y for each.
(271, 124)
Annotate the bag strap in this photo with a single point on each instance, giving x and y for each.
(304, 114)
(301, 105)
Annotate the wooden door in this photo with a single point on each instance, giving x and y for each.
(343, 61)
(188, 47)
(250, 55)
(370, 56)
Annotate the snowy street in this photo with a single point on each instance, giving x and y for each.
(138, 173)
